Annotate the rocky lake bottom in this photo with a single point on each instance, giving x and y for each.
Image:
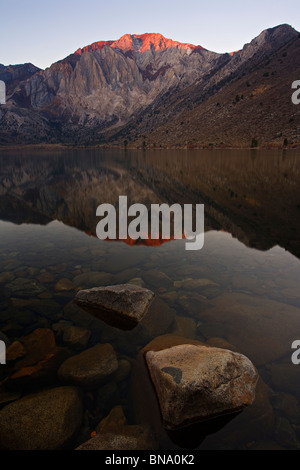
(91, 377)
(254, 313)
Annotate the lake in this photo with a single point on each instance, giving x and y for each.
(240, 291)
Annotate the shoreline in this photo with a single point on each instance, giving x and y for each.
(53, 147)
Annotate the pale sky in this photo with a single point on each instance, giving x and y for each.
(43, 32)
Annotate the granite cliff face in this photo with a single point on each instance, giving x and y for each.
(103, 92)
(103, 85)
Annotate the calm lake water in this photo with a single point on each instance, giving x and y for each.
(242, 288)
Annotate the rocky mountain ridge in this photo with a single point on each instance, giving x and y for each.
(112, 92)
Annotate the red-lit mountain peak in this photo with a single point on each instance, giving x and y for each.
(139, 43)
(159, 42)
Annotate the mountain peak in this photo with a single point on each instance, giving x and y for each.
(139, 43)
(277, 35)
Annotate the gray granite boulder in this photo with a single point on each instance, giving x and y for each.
(122, 306)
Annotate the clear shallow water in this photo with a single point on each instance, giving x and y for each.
(250, 262)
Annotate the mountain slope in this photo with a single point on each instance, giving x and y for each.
(249, 97)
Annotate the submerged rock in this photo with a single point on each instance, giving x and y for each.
(38, 344)
(37, 359)
(45, 278)
(158, 319)
(23, 287)
(46, 420)
(123, 370)
(6, 276)
(115, 419)
(91, 279)
(64, 285)
(194, 284)
(122, 306)
(76, 337)
(193, 304)
(137, 281)
(195, 383)
(91, 367)
(15, 351)
(185, 326)
(113, 433)
(60, 327)
(156, 279)
(127, 438)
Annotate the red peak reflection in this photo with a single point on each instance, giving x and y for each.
(140, 241)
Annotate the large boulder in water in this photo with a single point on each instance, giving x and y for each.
(122, 306)
(195, 383)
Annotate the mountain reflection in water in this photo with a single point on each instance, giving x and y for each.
(253, 195)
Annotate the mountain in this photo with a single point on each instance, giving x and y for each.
(247, 99)
(12, 75)
(101, 86)
(150, 90)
